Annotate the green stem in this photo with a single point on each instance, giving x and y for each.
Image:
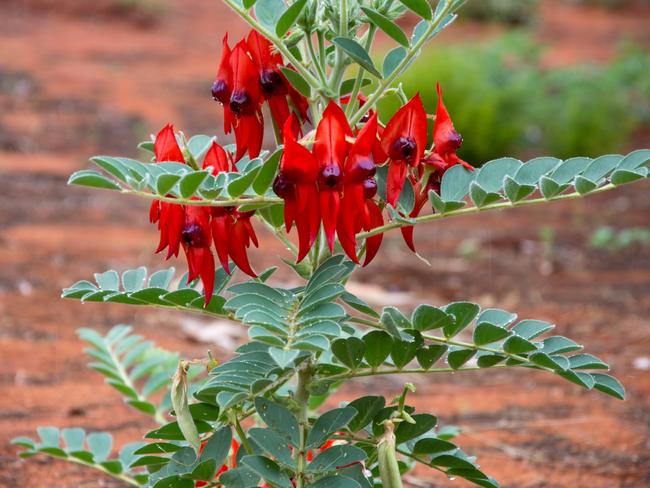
(122, 477)
(315, 59)
(388, 371)
(282, 235)
(302, 398)
(472, 210)
(322, 52)
(340, 58)
(205, 202)
(386, 82)
(357, 83)
(242, 435)
(297, 65)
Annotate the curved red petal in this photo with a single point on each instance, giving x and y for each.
(279, 109)
(329, 210)
(445, 137)
(206, 272)
(218, 158)
(245, 78)
(410, 121)
(375, 219)
(154, 211)
(220, 235)
(249, 134)
(298, 164)
(165, 147)
(237, 248)
(395, 181)
(330, 144)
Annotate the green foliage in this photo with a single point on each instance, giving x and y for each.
(127, 360)
(503, 102)
(505, 11)
(606, 237)
(306, 340)
(136, 288)
(92, 450)
(497, 341)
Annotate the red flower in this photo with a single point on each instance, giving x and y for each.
(232, 230)
(330, 150)
(222, 86)
(404, 140)
(275, 86)
(358, 209)
(169, 216)
(421, 197)
(197, 239)
(333, 183)
(446, 140)
(196, 227)
(246, 103)
(296, 183)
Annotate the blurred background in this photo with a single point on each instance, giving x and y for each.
(521, 78)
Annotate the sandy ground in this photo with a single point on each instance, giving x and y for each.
(79, 81)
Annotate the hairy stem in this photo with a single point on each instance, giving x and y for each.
(386, 82)
(472, 210)
(302, 398)
(357, 82)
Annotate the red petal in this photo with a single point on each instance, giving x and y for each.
(244, 75)
(329, 210)
(298, 164)
(217, 158)
(165, 146)
(154, 211)
(261, 50)
(445, 137)
(220, 235)
(330, 145)
(279, 109)
(237, 248)
(395, 181)
(410, 121)
(206, 272)
(307, 218)
(249, 133)
(346, 228)
(289, 214)
(375, 220)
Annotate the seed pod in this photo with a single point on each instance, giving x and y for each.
(387, 458)
(182, 409)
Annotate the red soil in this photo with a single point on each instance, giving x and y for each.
(76, 81)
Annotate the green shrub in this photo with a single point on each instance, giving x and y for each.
(506, 11)
(503, 102)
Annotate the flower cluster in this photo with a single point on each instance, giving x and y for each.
(248, 75)
(327, 179)
(196, 228)
(334, 183)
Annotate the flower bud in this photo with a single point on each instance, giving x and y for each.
(181, 408)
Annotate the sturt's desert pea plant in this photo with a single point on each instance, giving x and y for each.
(337, 179)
